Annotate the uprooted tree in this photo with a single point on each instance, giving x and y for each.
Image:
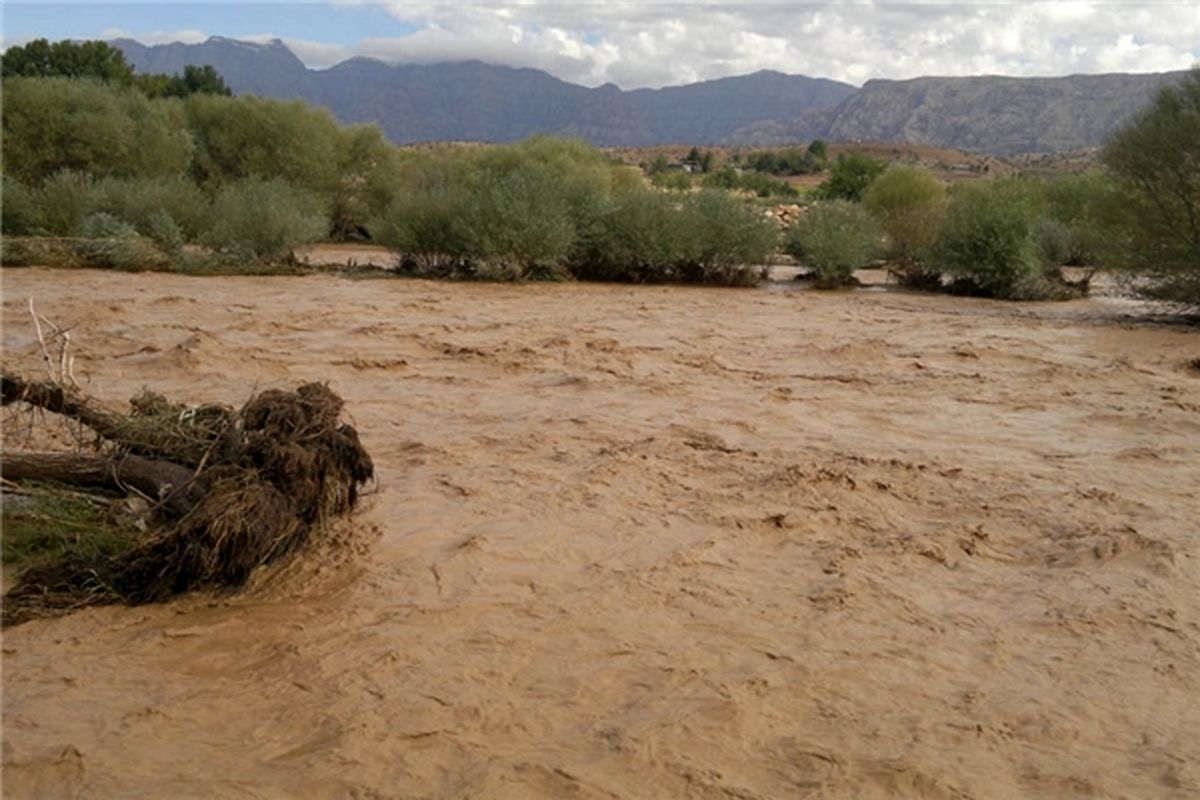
(230, 489)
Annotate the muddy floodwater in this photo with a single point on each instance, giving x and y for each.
(653, 542)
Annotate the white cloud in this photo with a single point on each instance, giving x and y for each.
(185, 35)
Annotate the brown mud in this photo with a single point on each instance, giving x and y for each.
(653, 542)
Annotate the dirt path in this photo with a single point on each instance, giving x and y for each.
(654, 542)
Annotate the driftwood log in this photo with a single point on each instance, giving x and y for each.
(232, 489)
(160, 481)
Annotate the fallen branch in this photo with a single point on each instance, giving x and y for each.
(155, 429)
(172, 486)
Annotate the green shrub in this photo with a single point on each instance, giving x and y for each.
(64, 200)
(143, 201)
(18, 208)
(1054, 242)
(162, 229)
(754, 182)
(264, 220)
(368, 176)
(1089, 208)
(834, 239)
(849, 177)
(635, 238)
(731, 241)
(426, 231)
(641, 236)
(517, 223)
(988, 242)
(511, 212)
(110, 243)
(793, 161)
(673, 180)
(910, 205)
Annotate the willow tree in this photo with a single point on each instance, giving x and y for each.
(1155, 160)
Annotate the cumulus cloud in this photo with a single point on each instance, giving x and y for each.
(652, 44)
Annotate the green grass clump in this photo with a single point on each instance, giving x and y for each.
(49, 524)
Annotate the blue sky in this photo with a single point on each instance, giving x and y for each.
(312, 21)
(636, 43)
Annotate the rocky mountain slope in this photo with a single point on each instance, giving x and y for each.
(476, 101)
(983, 114)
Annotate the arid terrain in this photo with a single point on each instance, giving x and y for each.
(653, 542)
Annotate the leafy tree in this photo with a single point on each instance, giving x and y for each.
(194, 80)
(517, 222)
(52, 124)
(67, 59)
(850, 176)
(64, 200)
(727, 178)
(103, 62)
(18, 208)
(143, 202)
(264, 220)
(988, 242)
(819, 151)
(199, 80)
(636, 239)
(1155, 160)
(910, 204)
(786, 162)
(730, 240)
(835, 238)
(1085, 209)
(248, 136)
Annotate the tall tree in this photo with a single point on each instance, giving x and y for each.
(1155, 159)
(67, 59)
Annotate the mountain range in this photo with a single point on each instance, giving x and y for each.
(475, 101)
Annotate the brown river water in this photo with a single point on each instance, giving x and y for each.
(653, 542)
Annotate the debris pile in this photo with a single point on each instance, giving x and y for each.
(229, 489)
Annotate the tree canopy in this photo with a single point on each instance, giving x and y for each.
(101, 61)
(67, 59)
(1155, 160)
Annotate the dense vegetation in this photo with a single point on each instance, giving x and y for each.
(146, 171)
(547, 208)
(129, 180)
(792, 161)
(1155, 162)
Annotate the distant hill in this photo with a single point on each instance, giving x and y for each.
(476, 101)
